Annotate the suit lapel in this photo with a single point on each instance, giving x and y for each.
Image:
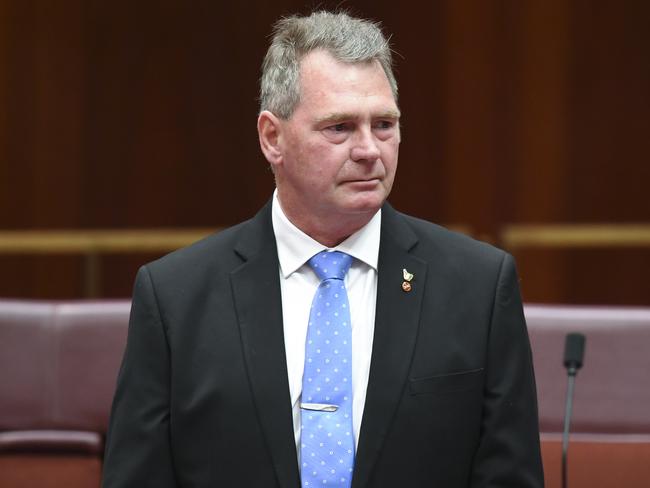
(396, 325)
(256, 291)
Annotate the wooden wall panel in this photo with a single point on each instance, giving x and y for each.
(539, 139)
(610, 112)
(43, 100)
(471, 113)
(142, 114)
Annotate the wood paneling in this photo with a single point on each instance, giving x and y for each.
(142, 114)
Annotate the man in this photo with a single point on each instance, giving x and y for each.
(250, 364)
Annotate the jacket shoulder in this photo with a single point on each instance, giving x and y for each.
(215, 250)
(452, 246)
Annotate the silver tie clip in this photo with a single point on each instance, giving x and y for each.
(319, 407)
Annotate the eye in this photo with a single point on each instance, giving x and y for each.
(384, 124)
(338, 127)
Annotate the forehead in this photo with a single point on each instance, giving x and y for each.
(324, 79)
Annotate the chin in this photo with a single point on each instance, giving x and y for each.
(366, 204)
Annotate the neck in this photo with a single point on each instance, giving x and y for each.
(329, 232)
(328, 239)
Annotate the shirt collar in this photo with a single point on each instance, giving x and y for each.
(295, 247)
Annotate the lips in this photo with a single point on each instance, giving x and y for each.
(363, 180)
(363, 185)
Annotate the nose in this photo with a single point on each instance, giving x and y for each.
(365, 147)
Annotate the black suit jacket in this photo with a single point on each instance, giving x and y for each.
(203, 398)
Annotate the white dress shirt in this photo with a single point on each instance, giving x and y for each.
(298, 285)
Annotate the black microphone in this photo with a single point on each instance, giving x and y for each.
(574, 350)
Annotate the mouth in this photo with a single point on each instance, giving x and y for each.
(363, 180)
(363, 183)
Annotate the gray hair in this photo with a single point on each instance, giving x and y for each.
(347, 39)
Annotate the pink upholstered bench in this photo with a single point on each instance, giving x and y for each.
(610, 441)
(58, 366)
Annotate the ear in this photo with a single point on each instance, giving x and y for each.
(269, 131)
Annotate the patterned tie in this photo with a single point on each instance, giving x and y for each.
(326, 440)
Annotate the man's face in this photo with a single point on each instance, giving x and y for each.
(339, 148)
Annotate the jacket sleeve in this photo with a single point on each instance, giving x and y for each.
(138, 451)
(509, 448)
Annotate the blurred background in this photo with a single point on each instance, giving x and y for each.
(127, 128)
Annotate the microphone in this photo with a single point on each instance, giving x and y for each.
(574, 350)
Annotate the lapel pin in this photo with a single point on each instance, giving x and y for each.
(406, 284)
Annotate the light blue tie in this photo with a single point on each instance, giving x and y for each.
(327, 439)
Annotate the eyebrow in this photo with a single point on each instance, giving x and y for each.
(336, 117)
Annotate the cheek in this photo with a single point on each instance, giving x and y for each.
(327, 159)
(389, 155)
